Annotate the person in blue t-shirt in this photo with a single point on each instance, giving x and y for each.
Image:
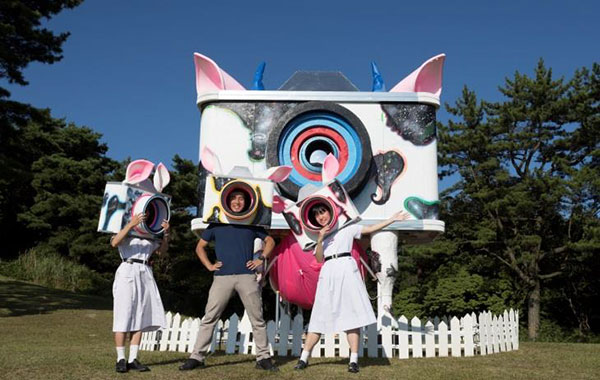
(233, 271)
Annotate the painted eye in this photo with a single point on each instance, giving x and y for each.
(156, 210)
(304, 136)
(308, 214)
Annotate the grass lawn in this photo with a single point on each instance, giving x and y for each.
(52, 334)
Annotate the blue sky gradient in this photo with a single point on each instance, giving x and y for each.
(128, 70)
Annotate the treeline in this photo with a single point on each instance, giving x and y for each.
(522, 219)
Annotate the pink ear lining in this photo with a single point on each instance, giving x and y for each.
(280, 173)
(210, 77)
(427, 78)
(138, 170)
(161, 177)
(330, 168)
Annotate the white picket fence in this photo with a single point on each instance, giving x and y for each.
(468, 336)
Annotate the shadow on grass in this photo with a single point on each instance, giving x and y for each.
(23, 298)
(363, 362)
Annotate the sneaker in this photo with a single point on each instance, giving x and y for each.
(300, 365)
(137, 366)
(121, 366)
(267, 365)
(353, 367)
(191, 364)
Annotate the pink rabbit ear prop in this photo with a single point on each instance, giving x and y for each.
(210, 77)
(279, 204)
(427, 78)
(137, 171)
(278, 173)
(161, 177)
(210, 161)
(330, 168)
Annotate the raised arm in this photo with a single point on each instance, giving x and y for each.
(401, 215)
(164, 244)
(118, 238)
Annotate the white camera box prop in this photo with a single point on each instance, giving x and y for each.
(301, 219)
(137, 194)
(385, 142)
(257, 193)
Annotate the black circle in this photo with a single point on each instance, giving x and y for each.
(353, 186)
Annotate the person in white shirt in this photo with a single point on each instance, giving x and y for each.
(137, 304)
(341, 300)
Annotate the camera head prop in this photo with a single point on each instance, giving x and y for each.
(135, 195)
(256, 193)
(331, 196)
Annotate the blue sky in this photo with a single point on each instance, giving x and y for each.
(128, 70)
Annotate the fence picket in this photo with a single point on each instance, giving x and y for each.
(443, 339)
(344, 346)
(429, 339)
(284, 331)
(245, 328)
(417, 337)
(271, 331)
(403, 337)
(297, 330)
(232, 334)
(468, 335)
(372, 340)
(455, 337)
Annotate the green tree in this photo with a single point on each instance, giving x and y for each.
(514, 186)
(68, 183)
(23, 40)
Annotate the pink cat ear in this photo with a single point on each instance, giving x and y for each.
(210, 161)
(330, 168)
(210, 77)
(278, 173)
(161, 177)
(427, 78)
(137, 171)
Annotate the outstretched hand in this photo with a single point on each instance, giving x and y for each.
(400, 216)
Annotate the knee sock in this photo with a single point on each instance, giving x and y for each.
(304, 356)
(133, 351)
(353, 357)
(120, 353)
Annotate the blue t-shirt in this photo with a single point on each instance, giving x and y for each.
(234, 246)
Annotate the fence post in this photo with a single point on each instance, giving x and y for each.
(284, 331)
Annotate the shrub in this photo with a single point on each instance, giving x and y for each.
(49, 269)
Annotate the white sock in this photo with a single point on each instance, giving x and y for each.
(133, 350)
(120, 353)
(304, 356)
(353, 357)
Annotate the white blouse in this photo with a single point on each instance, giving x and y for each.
(136, 248)
(342, 240)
